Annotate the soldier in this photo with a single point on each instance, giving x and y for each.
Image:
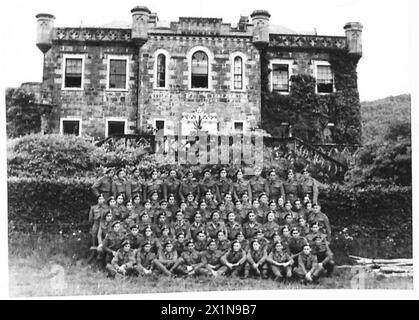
(276, 237)
(276, 212)
(120, 211)
(132, 217)
(201, 241)
(148, 236)
(223, 244)
(247, 205)
(197, 226)
(172, 206)
(251, 226)
(232, 226)
(280, 262)
(138, 206)
(223, 185)
(280, 206)
(181, 225)
(308, 269)
(134, 238)
(241, 186)
(155, 204)
(264, 242)
(233, 260)
(289, 221)
(285, 237)
(239, 212)
(189, 186)
(104, 184)
(256, 261)
(145, 259)
(222, 210)
(212, 204)
(298, 208)
(309, 186)
(119, 185)
(167, 259)
(160, 224)
(204, 211)
(179, 243)
(135, 184)
(296, 244)
(207, 184)
(96, 214)
(191, 262)
(324, 255)
(303, 226)
(145, 221)
(163, 209)
(166, 235)
(292, 188)
(274, 186)
(191, 207)
(257, 210)
(171, 185)
(212, 257)
(123, 262)
(215, 225)
(243, 241)
(315, 232)
(288, 211)
(321, 219)
(104, 227)
(257, 184)
(153, 184)
(270, 227)
(113, 240)
(229, 205)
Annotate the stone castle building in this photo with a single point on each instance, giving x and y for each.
(107, 80)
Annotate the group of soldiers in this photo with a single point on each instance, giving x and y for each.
(258, 227)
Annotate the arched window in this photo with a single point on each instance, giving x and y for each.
(238, 73)
(161, 71)
(199, 72)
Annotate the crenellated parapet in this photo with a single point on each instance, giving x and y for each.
(92, 34)
(307, 42)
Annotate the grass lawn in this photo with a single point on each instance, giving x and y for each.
(36, 263)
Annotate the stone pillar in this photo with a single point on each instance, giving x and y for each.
(44, 31)
(353, 31)
(140, 17)
(260, 20)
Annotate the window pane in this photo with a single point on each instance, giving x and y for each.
(199, 70)
(238, 73)
(71, 127)
(238, 126)
(324, 79)
(73, 73)
(280, 77)
(161, 71)
(116, 127)
(117, 74)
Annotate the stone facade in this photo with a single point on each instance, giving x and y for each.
(142, 103)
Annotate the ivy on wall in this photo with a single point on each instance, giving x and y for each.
(309, 113)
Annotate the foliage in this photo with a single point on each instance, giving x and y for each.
(309, 113)
(23, 116)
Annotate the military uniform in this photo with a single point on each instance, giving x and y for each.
(323, 221)
(195, 228)
(233, 257)
(152, 185)
(212, 258)
(280, 257)
(269, 228)
(249, 229)
(207, 184)
(158, 227)
(275, 189)
(134, 186)
(155, 245)
(257, 186)
(171, 186)
(96, 214)
(214, 227)
(260, 214)
(104, 228)
(119, 186)
(324, 256)
(254, 257)
(103, 186)
(120, 212)
(191, 209)
(189, 186)
(130, 220)
(310, 186)
(181, 226)
(222, 245)
(295, 246)
(122, 258)
(222, 187)
(241, 187)
(111, 243)
(173, 208)
(145, 260)
(292, 190)
(166, 261)
(134, 240)
(192, 259)
(200, 245)
(307, 263)
(232, 230)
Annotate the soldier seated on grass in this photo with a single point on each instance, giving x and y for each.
(280, 262)
(191, 262)
(308, 269)
(212, 258)
(233, 260)
(145, 259)
(324, 255)
(123, 262)
(167, 259)
(256, 261)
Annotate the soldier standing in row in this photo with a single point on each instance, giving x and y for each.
(104, 184)
(241, 186)
(223, 185)
(257, 184)
(152, 185)
(207, 183)
(135, 184)
(171, 185)
(291, 187)
(119, 185)
(274, 186)
(189, 185)
(309, 186)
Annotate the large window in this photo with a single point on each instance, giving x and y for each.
(73, 73)
(199, 72)
(280, 77)
(238, 73)
(117, 74)
(161, 71)
(115, 127)
(324, 78)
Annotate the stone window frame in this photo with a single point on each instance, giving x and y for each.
(107, 120)
(108, 65)
(166, 80)
(210, 62)
(73, 56)
(79, 119)
(290, 63)
(244, 79)
(317, 63)
(160, 119)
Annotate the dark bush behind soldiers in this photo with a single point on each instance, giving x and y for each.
(309, 186)
(104, 184)
(274, 186)
(123, 262)
(189, 185)
(135, 184)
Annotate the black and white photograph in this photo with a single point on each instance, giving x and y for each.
(213, 147)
